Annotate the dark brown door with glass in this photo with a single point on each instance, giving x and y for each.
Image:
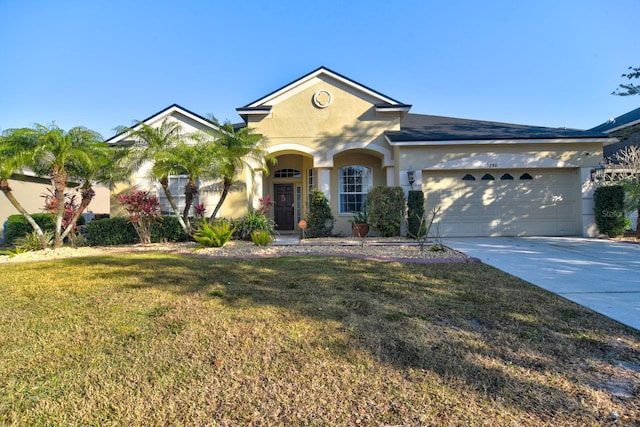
(283, 206)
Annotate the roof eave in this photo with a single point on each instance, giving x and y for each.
(387, 108)
(506, 141)
(322, 70)
(166, 112)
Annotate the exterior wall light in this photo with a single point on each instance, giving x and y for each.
(411, 176)
(597, 173)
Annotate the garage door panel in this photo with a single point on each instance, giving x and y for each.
(545, 205)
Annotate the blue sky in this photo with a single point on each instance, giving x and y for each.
(102, 64)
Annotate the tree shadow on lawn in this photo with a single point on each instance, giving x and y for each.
(502, 337)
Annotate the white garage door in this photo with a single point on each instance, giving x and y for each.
(533, 202)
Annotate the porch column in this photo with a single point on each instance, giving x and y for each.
(324, 182)
(391, 176)
(589, 227)
(256, 191)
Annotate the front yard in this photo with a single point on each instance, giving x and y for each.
(159, 339)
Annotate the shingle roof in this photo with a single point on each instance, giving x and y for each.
(419, 127)
(627, 119)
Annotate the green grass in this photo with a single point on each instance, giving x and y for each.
(155, 339)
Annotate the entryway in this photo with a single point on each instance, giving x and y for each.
(284, 215)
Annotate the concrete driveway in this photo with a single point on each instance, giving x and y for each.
(599, 274)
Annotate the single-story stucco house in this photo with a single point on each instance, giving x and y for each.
(331, 133)
(334, 134)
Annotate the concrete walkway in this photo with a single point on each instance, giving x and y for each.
(602, 275)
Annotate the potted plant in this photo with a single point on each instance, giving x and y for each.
(360, 222)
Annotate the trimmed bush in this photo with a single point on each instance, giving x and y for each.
(119, 231)
(415, 211)
(18, 227)
(111, 231)
(609, 210)
(167, 229)
(319, 219)
(386, 210)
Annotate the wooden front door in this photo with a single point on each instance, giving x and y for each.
(283, 206)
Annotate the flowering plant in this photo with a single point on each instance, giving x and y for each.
(144, 211)
(70, 208)
(265, 204)
(199, 210)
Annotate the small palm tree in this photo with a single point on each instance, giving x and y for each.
(13, 158)
(154, 144)
(238, 149)
(105, 166)
(51, 152)
(195, 161)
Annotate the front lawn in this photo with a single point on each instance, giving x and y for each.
(157, 339)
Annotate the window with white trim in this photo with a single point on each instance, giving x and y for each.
(176, 187)
(354, 183)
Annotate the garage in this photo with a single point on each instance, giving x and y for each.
(508, 202)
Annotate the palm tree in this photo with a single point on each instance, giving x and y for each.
(13, 158)
(154, 145)
(195, 161)
(237, 149)
(51, 152)
(104, 166)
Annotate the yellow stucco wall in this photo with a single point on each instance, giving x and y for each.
(350, 118)
(574, 154)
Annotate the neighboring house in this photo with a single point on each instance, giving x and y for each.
(331, 133)
(626, 128)
(30, 191)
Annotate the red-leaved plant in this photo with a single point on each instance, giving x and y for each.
(199, 210)
(70, 208)
(265, 204)
(144, 211)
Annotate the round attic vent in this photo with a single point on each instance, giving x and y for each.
(322, 98)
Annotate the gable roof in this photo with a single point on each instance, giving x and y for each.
(628, 119)
(161, 115)
(422, 128)
(262, 105)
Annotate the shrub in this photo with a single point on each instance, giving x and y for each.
(386, 210)
(609, 210)
(120, 231)
(415, 213)
(17, 225)
(319, 219)
(261, 238)
(251, 222)
(213, 235)
(31, 241)
(144, 211)
(168, 229)
(111, 231)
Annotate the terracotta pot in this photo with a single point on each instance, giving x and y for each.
(360, 230)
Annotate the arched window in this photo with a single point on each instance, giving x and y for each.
(487, 177)
(525, 176)
(287, 173)
(468, 177)
(355, 183)
(506, 177)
